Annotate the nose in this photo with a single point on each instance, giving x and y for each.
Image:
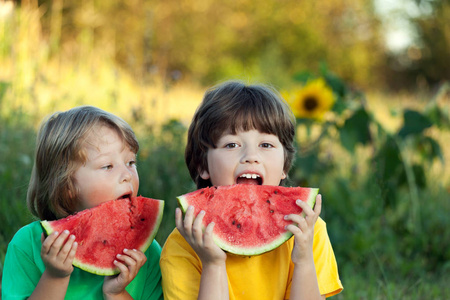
(250, 155)
(126, 175)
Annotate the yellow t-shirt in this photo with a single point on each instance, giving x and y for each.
(266, 276)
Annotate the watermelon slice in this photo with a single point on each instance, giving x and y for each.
(104, 231)
(249, 219)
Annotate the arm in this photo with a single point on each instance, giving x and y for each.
(57, 255)
(304, 279)
(213, 282)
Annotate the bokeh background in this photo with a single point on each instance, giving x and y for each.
(367, 79)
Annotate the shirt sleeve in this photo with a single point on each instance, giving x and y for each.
(23, 267)
(180, 269)
(325, 262)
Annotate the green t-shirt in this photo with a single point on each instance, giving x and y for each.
(23, 268)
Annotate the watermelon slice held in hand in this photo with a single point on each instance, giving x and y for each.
(249, 219)
(106, 230)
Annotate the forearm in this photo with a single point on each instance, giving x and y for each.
(304, 283)
(122, 296)
(50, 287)
(214, 283)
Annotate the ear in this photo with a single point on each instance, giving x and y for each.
(204, 174)
(283, 175)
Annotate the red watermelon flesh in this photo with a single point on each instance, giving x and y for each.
(249, 219)
(106, 230)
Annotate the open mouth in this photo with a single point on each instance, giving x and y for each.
(249, 178)
(125, 196)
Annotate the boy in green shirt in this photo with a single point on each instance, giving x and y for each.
(84, 156)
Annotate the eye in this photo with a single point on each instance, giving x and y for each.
(266, 145)
(107, 167)
(131, 163)
(231, 145)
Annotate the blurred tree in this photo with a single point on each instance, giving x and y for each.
(211, 40)
(434, 33)
(426, 61)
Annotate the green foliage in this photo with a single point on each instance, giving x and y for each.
(17, 139)
(162, 170)
(384, 209)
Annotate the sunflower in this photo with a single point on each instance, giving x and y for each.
(313, 100)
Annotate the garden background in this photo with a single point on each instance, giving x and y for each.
(368, 81)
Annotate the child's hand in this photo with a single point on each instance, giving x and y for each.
(201, 242)
(57, 253)
(129, 264)
(303, 230)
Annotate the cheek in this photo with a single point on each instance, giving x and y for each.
(136, 182)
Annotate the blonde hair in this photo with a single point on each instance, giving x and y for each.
(59, 152)
(236, 106)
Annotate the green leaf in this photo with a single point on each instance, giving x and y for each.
(388, 160)
(413, 123)
(419, 176)
(438, 116)
(431, 149)
(355, 130)
(334, 82)
(339, 106)
(303, 76)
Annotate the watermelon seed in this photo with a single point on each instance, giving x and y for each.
(238, 225)
(104, 242)
(268, 201)
(202, 192)
(234, 222)
(271, 211)
(275, 192)
(132, 227)
(143, 219)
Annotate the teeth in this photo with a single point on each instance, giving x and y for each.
(250, 176)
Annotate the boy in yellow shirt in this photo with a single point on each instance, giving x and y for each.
(240, 130)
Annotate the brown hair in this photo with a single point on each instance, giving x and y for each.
(236, 106)
(59, 153)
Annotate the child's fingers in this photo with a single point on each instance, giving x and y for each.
(72, 252)
(58, 243)
(53, 243)
(124, 271)
(178, 218)
(318, 205)
(130, 263)
(48, 242)
(197, 227)
(188, 220)
(294, 229)
(208, 233)
(66, 248)
(179, 222)
(127, 260)
(307, 210)
(137, 255)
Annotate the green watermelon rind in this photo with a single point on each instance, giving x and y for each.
(182, 201)
(109, 271)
